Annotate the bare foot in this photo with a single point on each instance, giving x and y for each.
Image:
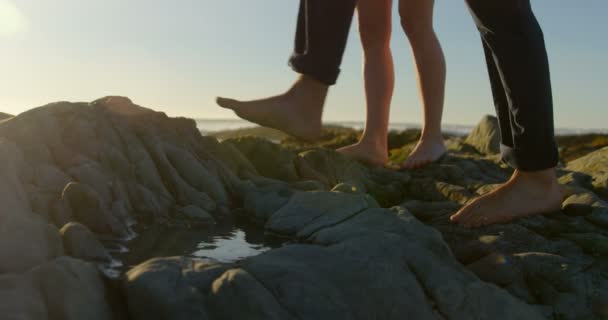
(426, 152)
(297, 112)
(525, 194)
(375, 154)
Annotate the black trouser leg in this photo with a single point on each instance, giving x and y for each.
(519, 72)
(321, 36)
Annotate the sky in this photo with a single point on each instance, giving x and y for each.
(176, 56)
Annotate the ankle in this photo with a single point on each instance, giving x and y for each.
(375, 142)
(433, 138)
(308, 85)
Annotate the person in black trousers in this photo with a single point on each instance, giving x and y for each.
(321, 36)
(518, 67)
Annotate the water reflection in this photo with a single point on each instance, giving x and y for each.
(225, 243)
(229, 248)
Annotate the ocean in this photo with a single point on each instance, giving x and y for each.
(207, 126)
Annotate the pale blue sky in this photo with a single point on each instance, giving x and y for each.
(175, 56)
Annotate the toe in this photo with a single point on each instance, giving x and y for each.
(460, 216)
(225, 102)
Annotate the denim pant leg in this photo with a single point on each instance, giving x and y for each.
(519, 73)
(321, 36)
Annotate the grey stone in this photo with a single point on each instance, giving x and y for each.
(61, 289)
(73, 290)
(255, 301)
(196, 214)
(20, 298)
(89, 210)
(80, 242)
(331, 168)
(595, 165)
(485, 137)
(26, 243)
(170, 288)
(269, 159)
(13, 198)
(312, 209)
(5, 116)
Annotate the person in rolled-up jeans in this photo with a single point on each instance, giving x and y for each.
(518, 67)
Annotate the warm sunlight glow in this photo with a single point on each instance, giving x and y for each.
(12, 20)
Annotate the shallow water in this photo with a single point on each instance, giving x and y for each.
(229, 248)
(225, 243)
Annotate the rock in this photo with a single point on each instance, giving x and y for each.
(196, 174)
(322, 276)
(50, 178)
(599, 217)
(345, 188)
(73, 290)
(402, 258)
(256, 302)
(111, 164)
(170, 288)
(426, 211)
(497, 268)
(591, 243)
(258, 132)
(311, 210)
(259, 204)
(582, 204)
(196, 214)
(62, 289)
(91, 174)
(485, 137)
(595, 165)
(332, 137)
(20, 298)
(309, 185)
(269, 159)
(4, 116)
(26, 243)
(575, 146)
(89, 210)
(331, 168)
(80, 242)
(13, 198)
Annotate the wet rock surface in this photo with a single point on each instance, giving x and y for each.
(359, 242)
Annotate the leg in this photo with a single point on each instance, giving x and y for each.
(417, 22)
(321, 37)
(519, 71)
(378, 73)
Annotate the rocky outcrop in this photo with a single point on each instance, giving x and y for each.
(61, 289)
(400, 266)
(93, 170)
(595, 165)
(78, 176)
(4, 116)
(80, 242)
(485, 137)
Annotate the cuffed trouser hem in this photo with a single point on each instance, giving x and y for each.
(535, 159)
(325, 75)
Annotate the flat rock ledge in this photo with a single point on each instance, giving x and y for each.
(361, 243)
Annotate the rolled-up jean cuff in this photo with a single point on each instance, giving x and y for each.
(325, 75)
(533, 159)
